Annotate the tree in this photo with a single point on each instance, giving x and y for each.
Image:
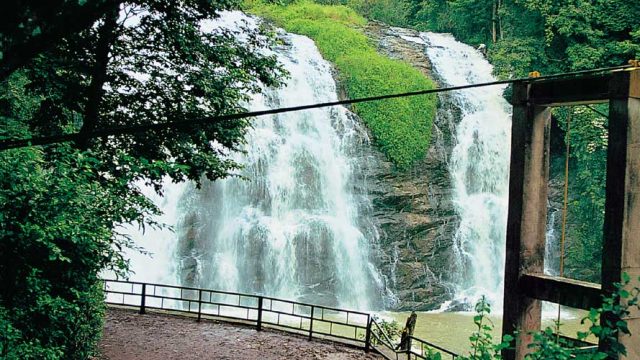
(140, 62)
(27, 29)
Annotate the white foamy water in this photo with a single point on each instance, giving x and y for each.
(291, 228)
(156, 264)
(479, 166)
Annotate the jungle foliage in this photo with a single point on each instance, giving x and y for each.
(400, 127)
(63, 206)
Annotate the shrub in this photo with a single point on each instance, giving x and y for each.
(547, 346)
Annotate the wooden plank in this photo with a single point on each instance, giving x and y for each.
(624, 85)
(526, 220)
(568, 292)
(512, 300)
(575, 91)
(621, 249)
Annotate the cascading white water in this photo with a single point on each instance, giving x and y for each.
(155, 263)
(479, 167)
(552, 248)
(291, 229)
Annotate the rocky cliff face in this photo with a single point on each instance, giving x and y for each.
(410, 213)
(413, 210)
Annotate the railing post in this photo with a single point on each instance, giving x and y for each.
(311, 323)
(259, 325)
(199, 304)
(142, 298)
(367, 338)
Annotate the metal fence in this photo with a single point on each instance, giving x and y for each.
(314, 321)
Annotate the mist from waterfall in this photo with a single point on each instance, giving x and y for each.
(290, 225)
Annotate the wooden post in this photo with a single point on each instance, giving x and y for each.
(407, 333)
(621, 248)
(527, 217)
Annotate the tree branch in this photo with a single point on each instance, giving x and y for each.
(71, 20)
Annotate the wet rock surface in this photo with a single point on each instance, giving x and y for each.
(413, 209)
(128, 336)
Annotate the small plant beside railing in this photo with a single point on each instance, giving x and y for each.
(388, 328)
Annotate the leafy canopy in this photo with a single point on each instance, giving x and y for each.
(135, 62)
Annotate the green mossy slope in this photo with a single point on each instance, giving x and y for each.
(401, 127)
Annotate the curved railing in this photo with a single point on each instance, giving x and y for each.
(315, 321)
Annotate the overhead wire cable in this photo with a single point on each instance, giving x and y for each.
(596, 111)
(185, 124)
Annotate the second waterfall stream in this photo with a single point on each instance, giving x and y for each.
(479, 167)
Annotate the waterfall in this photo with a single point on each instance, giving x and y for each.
(154, 264)
(291, 224)
(552, 249)
(478, 165)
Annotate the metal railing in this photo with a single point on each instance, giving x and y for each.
(314, 321)
(417, 348)
(421, 349)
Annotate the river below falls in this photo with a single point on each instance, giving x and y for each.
(451, 330)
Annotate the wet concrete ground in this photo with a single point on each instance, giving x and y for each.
(128, 336)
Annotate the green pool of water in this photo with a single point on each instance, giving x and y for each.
(451, 330)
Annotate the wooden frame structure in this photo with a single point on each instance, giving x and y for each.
(524, 283)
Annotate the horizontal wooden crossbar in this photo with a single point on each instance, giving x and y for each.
(560, 290)
(560, 92)
(580, 91)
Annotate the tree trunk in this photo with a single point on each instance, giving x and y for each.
(407, 332)
(494, 22)
(107, 35)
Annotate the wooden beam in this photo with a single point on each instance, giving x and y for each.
(527, 217)
(621, 247)
(568, 292)
(564, 92)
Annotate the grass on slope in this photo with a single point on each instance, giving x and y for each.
(400, 127)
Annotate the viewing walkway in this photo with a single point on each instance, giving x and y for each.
(129, 335)
(340, 327)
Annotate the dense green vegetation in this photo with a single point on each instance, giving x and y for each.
(401, 127)
(63, 206)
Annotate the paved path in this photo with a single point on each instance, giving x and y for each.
(128, 336)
